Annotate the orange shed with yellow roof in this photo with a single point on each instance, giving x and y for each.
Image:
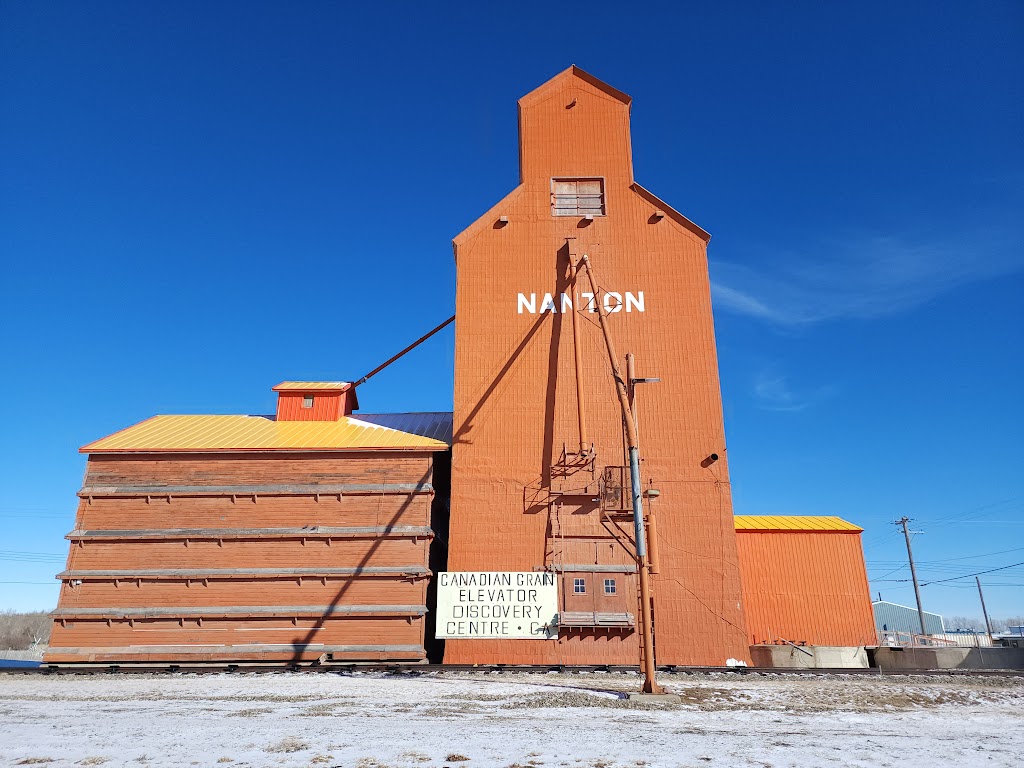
(804, 581)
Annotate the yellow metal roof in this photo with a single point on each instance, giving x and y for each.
(390, 431)
(306, 386)
(792, 523)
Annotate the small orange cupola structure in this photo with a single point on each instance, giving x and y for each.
(315, 400)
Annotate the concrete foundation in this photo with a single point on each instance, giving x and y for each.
(809, 657)
(655, 698)
(897, 659)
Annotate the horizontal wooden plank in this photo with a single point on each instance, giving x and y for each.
(242, 468)
(591, 568)
(310, 532)
(290, 489)
(180, 591)
(239, 610)
(229, 573)
(284, 652)
(595, 619)
(248, 553)
(237, 629)
(135, 513)
(254, 648)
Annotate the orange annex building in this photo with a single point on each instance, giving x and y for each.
(804, 581)
(255, 538)
(314, 535)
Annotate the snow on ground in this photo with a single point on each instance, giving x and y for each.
(509, 719)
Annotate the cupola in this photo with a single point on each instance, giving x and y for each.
(315, 400)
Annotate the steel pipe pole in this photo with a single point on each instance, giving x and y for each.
(647, 627)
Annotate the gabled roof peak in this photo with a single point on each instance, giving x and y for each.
(312, 386)
(574, 71)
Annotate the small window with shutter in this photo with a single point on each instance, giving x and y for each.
(577, 197)
(307, 401)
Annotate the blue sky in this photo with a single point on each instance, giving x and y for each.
(198, 200)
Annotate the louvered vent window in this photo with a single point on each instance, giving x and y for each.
(577, 197)
(307, 401)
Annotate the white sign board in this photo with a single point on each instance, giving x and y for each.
(497, 605)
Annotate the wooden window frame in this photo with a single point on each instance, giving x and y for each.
(307, 401)
(576, 211)
(614, 587)
(579, 586)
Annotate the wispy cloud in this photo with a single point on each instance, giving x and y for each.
(773, 392)
(873, 277)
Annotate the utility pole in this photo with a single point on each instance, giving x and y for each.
(913, 572)
(988, 624)
(647, 629)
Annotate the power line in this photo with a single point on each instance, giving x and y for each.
(34, 516)
(24, 552)
(875, 539)
(965, 557)
(979, 573)
(986, 522)
(958, 578)
(974, 510)
(890, 573)
(29, 509)
(988, 585)
(961, 568)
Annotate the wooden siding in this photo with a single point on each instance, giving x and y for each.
(326, 406)
(81, 640)
(806, 588)
(153, 574)
(515, 392)
(267, 553)
(243, 512)
(210, 591)
(212, 469)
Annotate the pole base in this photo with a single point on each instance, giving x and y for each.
(651, 686)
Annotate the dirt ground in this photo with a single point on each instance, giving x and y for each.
(508, 719)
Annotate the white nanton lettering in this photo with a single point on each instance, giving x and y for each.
(612, 300)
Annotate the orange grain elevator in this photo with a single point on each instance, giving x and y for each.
(538, 462)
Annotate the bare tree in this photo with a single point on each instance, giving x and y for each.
(963, 622)
(21, 631)
(978, 625)
(1000, 625)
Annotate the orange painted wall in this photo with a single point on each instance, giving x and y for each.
(241, 552)
(806, 587)
(241, 639)
(515, 394)
(326, 406)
